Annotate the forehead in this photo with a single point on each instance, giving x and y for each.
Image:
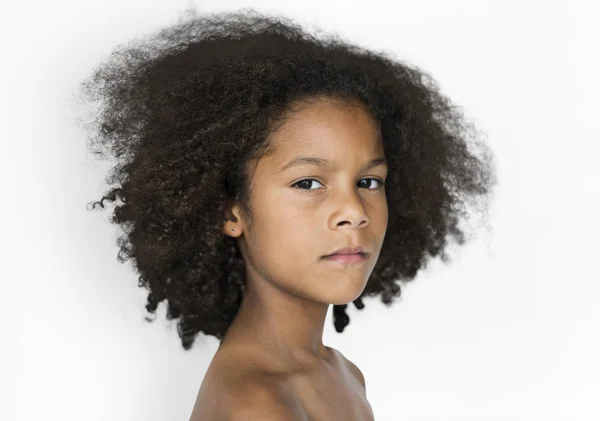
(332, 130)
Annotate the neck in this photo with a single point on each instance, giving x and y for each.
(285, 328)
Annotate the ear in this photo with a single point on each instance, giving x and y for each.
(233, 225)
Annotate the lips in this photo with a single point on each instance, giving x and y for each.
(348, 251)
(347, 258)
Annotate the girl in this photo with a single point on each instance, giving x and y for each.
(265, 174)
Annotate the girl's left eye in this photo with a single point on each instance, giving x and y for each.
(308, 180)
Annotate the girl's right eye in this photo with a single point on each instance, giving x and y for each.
(306, 181)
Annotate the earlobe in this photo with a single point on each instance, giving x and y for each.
(228, 229)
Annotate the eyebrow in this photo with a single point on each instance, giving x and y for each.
(321, 162)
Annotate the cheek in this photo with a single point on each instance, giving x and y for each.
(382, 216)
(283, 233)
(290, 245)
(385, 219)
(293, 241)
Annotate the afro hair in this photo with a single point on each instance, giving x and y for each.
(184, 110)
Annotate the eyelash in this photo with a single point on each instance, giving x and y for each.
(381, 182)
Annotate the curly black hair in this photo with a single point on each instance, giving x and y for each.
(185, 110)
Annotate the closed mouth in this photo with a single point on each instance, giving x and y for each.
(341, 254)
(346, 259)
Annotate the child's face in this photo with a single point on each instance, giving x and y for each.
(294, 227)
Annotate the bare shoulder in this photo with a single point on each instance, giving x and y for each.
(352, 367)
(267, 402)
(232, 392)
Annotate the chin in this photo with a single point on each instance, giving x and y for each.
(346, 296)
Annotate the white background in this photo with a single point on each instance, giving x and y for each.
(508, 331)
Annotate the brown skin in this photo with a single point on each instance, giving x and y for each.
(289, 285)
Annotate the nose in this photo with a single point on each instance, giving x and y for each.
(350, 211)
